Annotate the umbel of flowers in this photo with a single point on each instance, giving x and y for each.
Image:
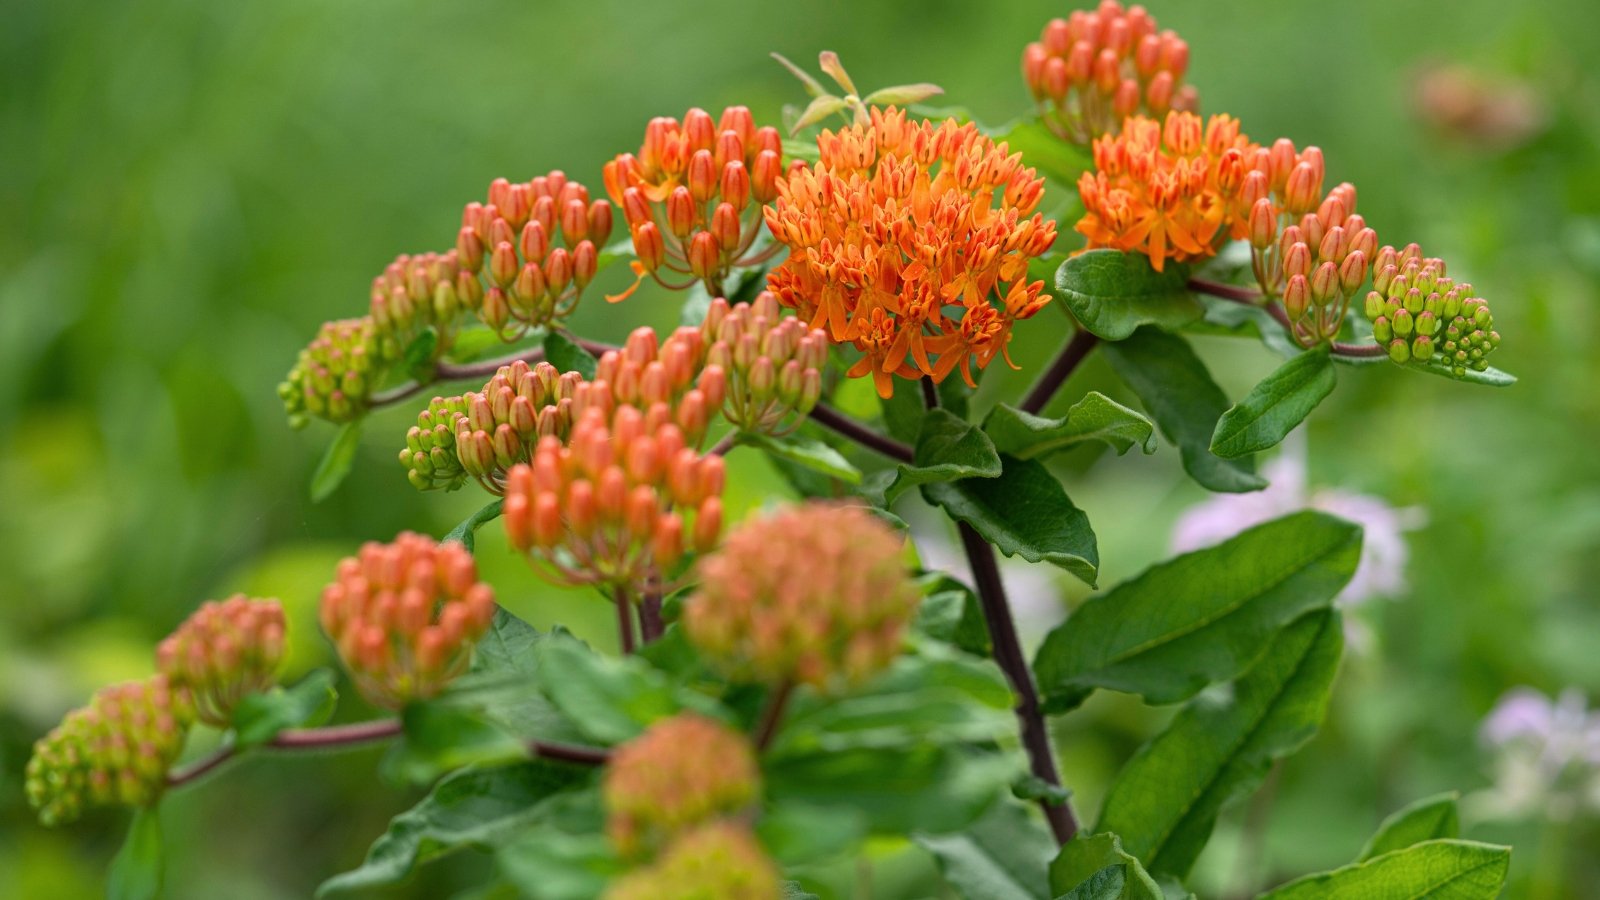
(815, 594)
(719, 861)
(404, 617)
(113, 752)
(227, 650)
(911, 240)
(682, 772)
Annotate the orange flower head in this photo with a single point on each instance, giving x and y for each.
(1090, 71)
(682, 772)
(898, 233)
(692, 195)
(335, 375)
(528, 254)
(722, 860)
(816, 593)
(1166, 189)
(405, 616)
(227, 650)
(414, 293)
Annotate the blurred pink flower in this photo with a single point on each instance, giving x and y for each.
(1546, 756)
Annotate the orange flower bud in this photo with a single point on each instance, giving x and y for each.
(224, 651)
(704, 255)
(703, 175)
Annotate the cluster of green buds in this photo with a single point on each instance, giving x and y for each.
(682, 772)
(227, 650)
(1317, 264)
(815, 594)
(720, 861)
(1419, 314)
(1091, 70)
(414, 293)
(405, 616)
(773, 363)
(115, 751)
(535, 247)
(623, 498)
(335, 374)
(692, 196)
(483, 434)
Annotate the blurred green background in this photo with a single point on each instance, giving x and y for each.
(188, 188)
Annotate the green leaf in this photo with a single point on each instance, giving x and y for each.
(798, 833)
(1201, 617)
(1490, 377)
(1097, 868)
(1275, 406)
(442, 735)
(1112, 293)
(503, 683)
(1094, 418)
(1175, 387)
(1427, 819)
(259, 717)
(947, 448)
(1431, 870)
(610, 699)
(1003, 856)
(549, 864)
(138, 868)
(419, 355)
(466, 534)
(1025, 512)
(929, 789)
(1165, 800)
(1054, 158)
(904, 413)
(807, 451)
(473, 807)
(336, 461)
(563, 353)
(951, 613)
(793, 891)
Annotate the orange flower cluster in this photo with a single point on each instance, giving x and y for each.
(1166, 189)
(608, 506)
(687, 196)
(115, 751)
(816, 594)
(898, 238)
(682, 772)
(1092, 70)
(405, 616)
(720, 861)
(225, 651)
(335, 374)
(1318, 264)
(512, 242)
(773, 363)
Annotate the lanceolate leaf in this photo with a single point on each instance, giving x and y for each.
(1427, 819)
(807, 451)
(560, 351)
(1175, 387)
(137, 870)
(1432, 870)
(1025, 512)
(1112, 293)
(1165, 800)
(1097, 868)
(259, 717)
(610, 699)
(1490, 377)
(336, 462)
(1002, 856)
(466, 534)
(1094, 418)
(1199, 618)
(1275, 406)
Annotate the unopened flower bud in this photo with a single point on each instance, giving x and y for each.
(680, 773)
(223, 652)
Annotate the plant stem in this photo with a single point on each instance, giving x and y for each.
(1008, 654)
(838, 422)
(573, 753)
(773, 714)
(333, 737)
(1249, 297)
(443, 371)
(930, 393)
(727, 443)
(624, 620)
(650, 626)
(1039, 396)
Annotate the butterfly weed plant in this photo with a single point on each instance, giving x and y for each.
(793, 684)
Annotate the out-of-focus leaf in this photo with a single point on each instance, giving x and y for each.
(547, 863)
(259, 717)
(1201, 617)
(1490, 377)
(1431, 870)
(1430, 818)
(336, 461)
(1165, 800)
(466, 534)
(610, 699)
(797, 833)
(925, 788)
(418, 361)
(564, 353)
(902, 94)
(1112, 293)
(818, 109)
(1096, 867)
(1025, 512)
(138, 868)
(806, 451)
(1175, 387)
(1094, 418)
(1054, 158)
(1005, 855)
(440, 736)
(951, 613)
(1275, 405)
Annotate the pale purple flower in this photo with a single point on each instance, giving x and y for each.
(1546, 756)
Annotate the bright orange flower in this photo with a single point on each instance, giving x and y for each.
(903, 236)
(1166, 189)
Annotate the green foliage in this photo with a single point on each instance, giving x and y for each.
(1097, 868)
(1175, 387)
(1199, 618)
(1275, 406)
(260, 717)
(138, 869)
(565, 354)
(1094, 418)
(952, 613)
(1054, 158)
(608, 699)
(1112, 293)
(1002, 856)
(1165, 800)
(442, 735)
(1025, 512)
(336, 461)
(1489, 377)
(548, 863)
(948, 448)
(466, 534)
(1431, 870)
(1430, 818)
(931, 789)
(805, 451)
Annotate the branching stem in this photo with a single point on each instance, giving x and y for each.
(1249, 297)
(1039, 396)
(839, 423)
